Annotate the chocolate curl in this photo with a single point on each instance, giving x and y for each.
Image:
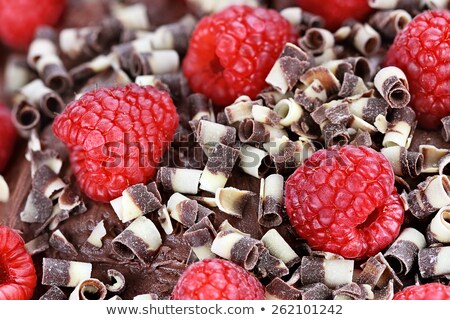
(37, 208)
(209, 134)
(141, 239)
(404, 163)
(401, 128)
(432, 157)
(89, 289)
(377, 272)
(439, 228)
(335, 111)
(181, 180)
(353, 291)
(25, 118)
(283, 153)
(329, 54)
(60, 243)
(54, 293)
(124, 51)
(175, 35)
(326, 79)
(17, 73)
(4, 190)
(91, 68)
(47, 182)
(277, 289)
(369, 109)
(183, 209)
(134, 17)
(226, 226)
(285, 73)
(306, 128)
(118, 281)
(412, 6)
(293, 15)
(362, 138)
(64, 273)
(237, 248)
(232, 201)
(430, 196)
(434, 262)
(339, 67)
(361, 67)
(38, 244)
(200, 107)
(279, 248)
(164, 219)
(352, 85)
(49, 158)
(365, 39)
(97, 234)
(288, 111)
(270, 96)
(393, 86)
(240, 110)
(270, 266)
(69, 199)
(174, 82)
(44, 44)
(316, 40)
(254, 161)
(403, 252)
(446, 128)
(389, 23)
(316, 291)
(336, 134)
(251, 131)
(332, 272)
(271, 201)
(313, 96)
(154, 62)
(208, 201)
(218, 168)
(264, 115)
(200, 238)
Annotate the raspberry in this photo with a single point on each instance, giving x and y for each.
(232, 51)
(429, 291)
(335, 12)
(343, 200)
(7, 136)
(422, 51)
(20, 19)
(116, 137)
(17, 273)
(217, 279)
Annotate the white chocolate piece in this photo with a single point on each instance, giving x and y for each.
(181, 180)
(293, 15)
(78, 272)
(164, 220)
(95, 238)
(442, 266)
(367, 40)
(398, 135)
(133, 17)
(252, 160)
(276, 78)
(358, 123)
(414, 236)
(440, 225)
(164, 61)
(437, 192)
(211, 182)
(431, 157)
(39, 48)
(4, 190)
(226, 226)
(338, 272)
(381, 123)
(264, 115)
(289, 111)
(274, 187)
(130, 210)
(117, 207)
(232, 201)
(174, 200)
(278, 247)
(92, 286)
(224, 242)
(210, 133)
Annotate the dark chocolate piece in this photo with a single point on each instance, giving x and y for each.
(316, 291)
(59, 242)
(280, 290)
(270, 266)
(54, 293)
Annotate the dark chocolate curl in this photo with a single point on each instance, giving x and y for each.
(371, 273)
(270, 266)
(245, 252)
(253, 132)
(38, 208)
(277, 289)
(200, 237)
(353, 291)
(389, 23)
(362, 138)
(402, 256)
(361, 67)
(393, 86)
(316, 40)
(25, 118)
(312, 270)
(335, 134)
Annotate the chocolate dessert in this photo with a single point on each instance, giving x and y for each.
(219, 190)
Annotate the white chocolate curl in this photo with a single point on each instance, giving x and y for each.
(4, 190)
(440, 225)
(89, 289)
(278, 247)
(393, 86)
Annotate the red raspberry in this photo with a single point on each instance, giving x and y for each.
(343, 200)
(231, 52)
(116, 137)
(422, 51)
(217, 279)
(20, 19)
(7, 136)
(429, 291)
(17, 273)
(335, 12)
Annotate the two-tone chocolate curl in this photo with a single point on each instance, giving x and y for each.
(332, 272)
(271, 201)
(279, 248)
(439, 228)
(64, 273)
(89, 289)
(200, 238)
(393, 86)
(434, 261)
(404, 163)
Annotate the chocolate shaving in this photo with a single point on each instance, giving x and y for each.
(38, 244)
(326, 78)
(362, 138)
(372, 272)
(49, 158)
(385, 293)
(270, 266)
(47, 182)
(402, 255)
(280, 290)
(245, 252)
(316, 40)
(335, 134)
(59, 242)
(389, 23)
(69, 199)
(54, 293)
(316, 291)
(251, 131)
(38, 208)
(312, 270)
(352, 291)
(25, 117)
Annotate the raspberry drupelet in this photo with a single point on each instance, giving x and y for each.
(343, 200)
(429, 291)
(116, 137)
